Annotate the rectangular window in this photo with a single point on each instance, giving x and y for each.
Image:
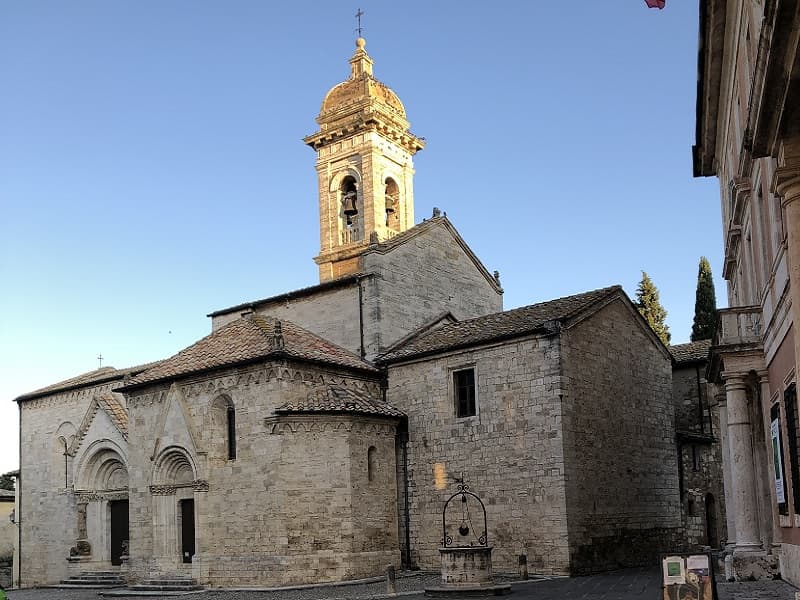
(779, 480)
(790, 409)
(464, 388)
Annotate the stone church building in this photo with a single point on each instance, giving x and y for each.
(314, 435)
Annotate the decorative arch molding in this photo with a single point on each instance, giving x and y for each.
(300, 424)
(174, 466)
(103, 466)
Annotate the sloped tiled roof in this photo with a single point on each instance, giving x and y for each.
(116, 412)
(7, 495)
(502, 325)
(691, 352)
(96, 377)
(340, 400)
(247, 339)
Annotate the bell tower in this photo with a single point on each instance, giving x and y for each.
(364, 166)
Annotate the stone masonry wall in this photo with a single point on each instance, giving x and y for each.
(294, 506)
(416, 282)
(701, 461)
(510, 453)
(47, 505)
(622, 478)
(332, 314)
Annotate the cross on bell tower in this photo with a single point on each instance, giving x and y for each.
(364, 167)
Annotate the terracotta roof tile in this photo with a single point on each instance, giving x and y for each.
(116, 411)
(509, 323)
(691, 352)
(249, 338)
(340, 400)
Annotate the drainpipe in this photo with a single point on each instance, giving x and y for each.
(406, 515)
(700, 400)
(18, 516)
(361, 318)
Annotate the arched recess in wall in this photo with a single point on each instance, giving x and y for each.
(61, 461)
(372, 463)
(174, 466)
(102, 467)
(712, 534)
(222, 428)
(391, 196)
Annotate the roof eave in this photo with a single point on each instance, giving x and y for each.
(711, 41)
(271, 356)
(292, 295)
(540, 330)
(69, 388)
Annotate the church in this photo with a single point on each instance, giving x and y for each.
(315, 435)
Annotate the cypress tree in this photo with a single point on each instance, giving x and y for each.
(650, 308)
(705, 304)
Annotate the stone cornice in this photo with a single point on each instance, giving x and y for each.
(84, 496)
(319, 423)
(260, 374)
(169, 489)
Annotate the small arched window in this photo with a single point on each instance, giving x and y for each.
(391, 196)
(372, 462)
(231, 425)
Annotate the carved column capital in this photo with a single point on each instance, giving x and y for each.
(734, 381)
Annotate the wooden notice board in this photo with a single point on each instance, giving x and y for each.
(688, 576)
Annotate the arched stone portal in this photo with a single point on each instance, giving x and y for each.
(101, 494)
(174, 490)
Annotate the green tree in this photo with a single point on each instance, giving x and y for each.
(650, 308)
(6, 482)
(705, 304)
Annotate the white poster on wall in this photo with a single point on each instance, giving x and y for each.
(777, 462)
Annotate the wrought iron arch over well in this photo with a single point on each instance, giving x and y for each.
(466, 519)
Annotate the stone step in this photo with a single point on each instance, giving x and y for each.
(167, 584)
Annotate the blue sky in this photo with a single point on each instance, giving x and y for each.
(152, 168)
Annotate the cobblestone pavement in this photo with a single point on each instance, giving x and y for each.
(630, 584)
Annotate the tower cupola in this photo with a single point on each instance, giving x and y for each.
(364, 166)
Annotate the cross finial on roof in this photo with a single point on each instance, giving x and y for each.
(359, 14)
(100, 361)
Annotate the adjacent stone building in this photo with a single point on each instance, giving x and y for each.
(315, 435)
(701, 443)
(748, 135)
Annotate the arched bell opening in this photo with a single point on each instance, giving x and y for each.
(351, 210)
(391, 196)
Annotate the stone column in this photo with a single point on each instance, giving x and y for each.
(730, 525)
(787, 185)
(745, 505)
(774, 521)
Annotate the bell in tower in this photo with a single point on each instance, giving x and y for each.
(365, 168)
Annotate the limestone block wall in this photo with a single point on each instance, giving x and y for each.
(294, 506)
(416, 282)
(623, 505)
(47, 511)
(701, 469)
(510, 453)
(702, 476)
(8, 531)
(332, 314)
(688, 384)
